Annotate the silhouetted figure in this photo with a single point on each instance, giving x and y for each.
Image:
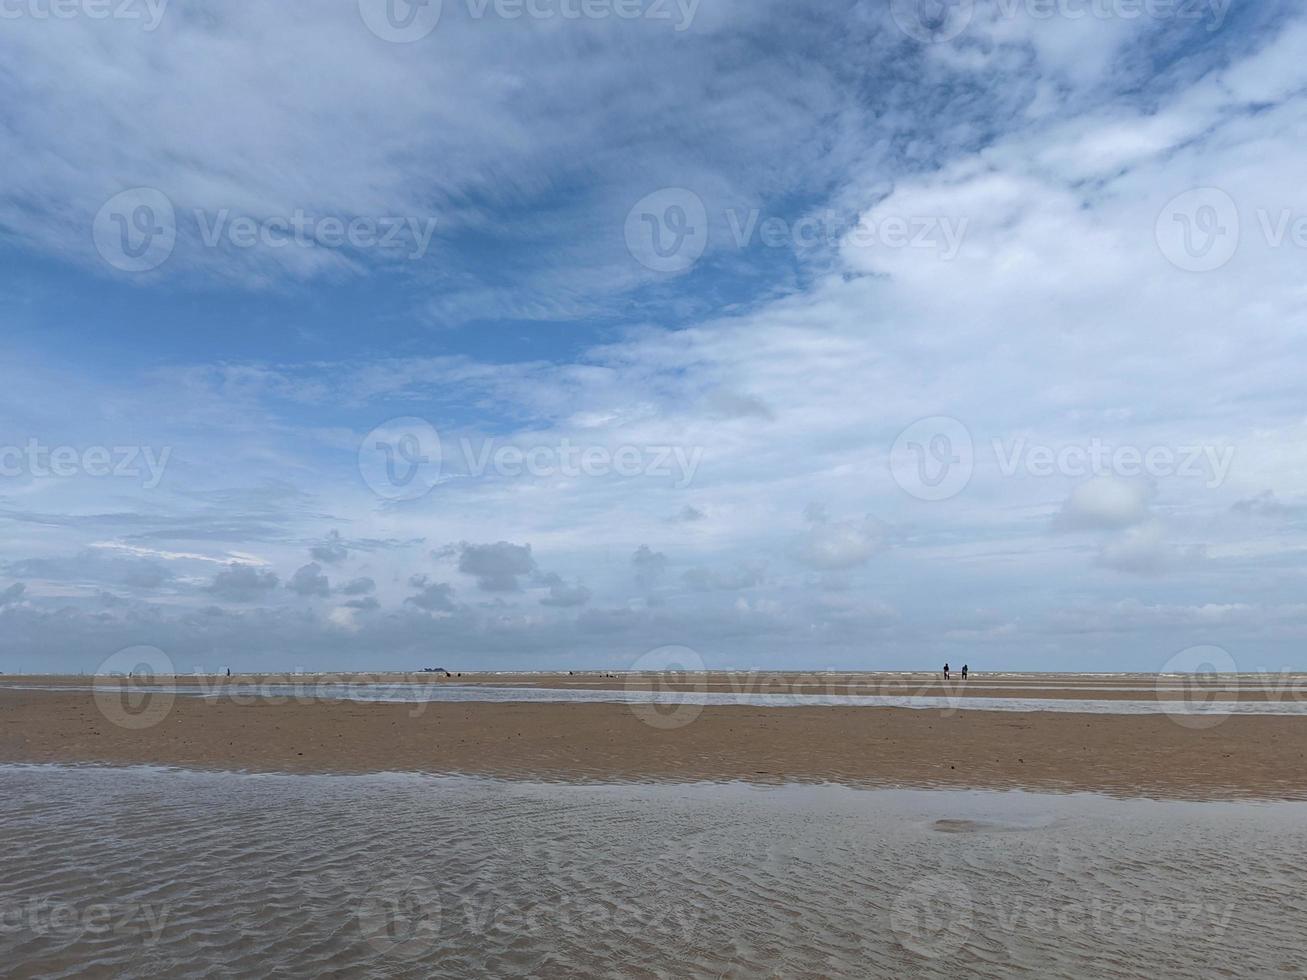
(964, 672)
(946, 672)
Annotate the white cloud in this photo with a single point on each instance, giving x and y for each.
(829, 545)
(1106, 502)
(1146, 550)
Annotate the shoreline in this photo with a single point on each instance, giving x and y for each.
(1079, 686)
(1242, 757)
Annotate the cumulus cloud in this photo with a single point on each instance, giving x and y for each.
(745, 575)
(562, 595)
(431, 596)
(359, 586)
(96, 566)
(1145, 550)
(308, 580)
(1106, 503)
(836, 545)
(1267, 504)
(332, 551)
(146, 574)
(243, 583)
(496, 567)
(650, 566)
(1128, 615)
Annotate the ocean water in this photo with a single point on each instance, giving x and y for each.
(151, 872)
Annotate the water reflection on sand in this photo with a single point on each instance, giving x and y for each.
(1182, 700)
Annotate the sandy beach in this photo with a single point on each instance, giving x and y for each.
(1156, 755)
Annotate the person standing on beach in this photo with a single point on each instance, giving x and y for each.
(946, 672)
(964, 672)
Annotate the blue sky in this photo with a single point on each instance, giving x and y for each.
(871, 335)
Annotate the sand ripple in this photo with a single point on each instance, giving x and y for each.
(148, 872)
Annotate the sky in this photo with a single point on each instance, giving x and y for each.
(553, 334)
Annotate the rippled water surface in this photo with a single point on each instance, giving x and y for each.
(145, 872)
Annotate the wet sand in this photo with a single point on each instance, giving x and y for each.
(1120, 755)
